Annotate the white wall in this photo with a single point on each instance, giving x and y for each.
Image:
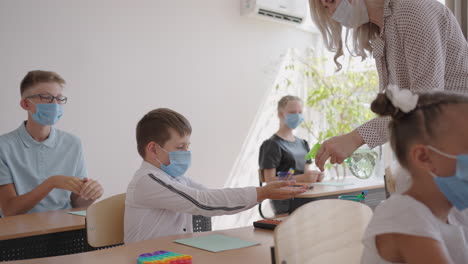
(124, 58)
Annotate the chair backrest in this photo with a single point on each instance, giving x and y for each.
(261, 180)
(389, 182)
(261, 177)
(324, 231)
(105, 221)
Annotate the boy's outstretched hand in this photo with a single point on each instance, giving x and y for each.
(279, 190)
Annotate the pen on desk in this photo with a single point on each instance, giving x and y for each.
(290, 173)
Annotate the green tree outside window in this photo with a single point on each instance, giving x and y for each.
(340, 101)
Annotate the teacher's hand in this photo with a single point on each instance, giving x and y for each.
(338, 149)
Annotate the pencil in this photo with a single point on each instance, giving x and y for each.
(290, 173)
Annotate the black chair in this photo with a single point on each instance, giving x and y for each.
(261, 180)
(201, 223)
(389, 182)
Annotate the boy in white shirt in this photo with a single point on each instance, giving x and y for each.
(161, 200)
(431, 143)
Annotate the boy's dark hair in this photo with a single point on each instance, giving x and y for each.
(155, 125)
(34, 77)
(418, 125)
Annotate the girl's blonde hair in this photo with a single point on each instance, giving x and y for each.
(285, 99)
(331, 32)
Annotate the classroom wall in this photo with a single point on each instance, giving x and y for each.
(124, 58)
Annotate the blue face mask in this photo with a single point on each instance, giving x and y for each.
(179, 163)
(294, 120)
(454, 188)
(47, 114)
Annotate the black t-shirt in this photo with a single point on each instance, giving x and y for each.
(277, 153)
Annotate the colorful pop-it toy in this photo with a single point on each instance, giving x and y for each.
(164, 257)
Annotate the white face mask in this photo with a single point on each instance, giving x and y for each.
(351, 15)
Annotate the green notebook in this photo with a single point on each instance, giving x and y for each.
(216, 243)
(81, 213)
(333, 183)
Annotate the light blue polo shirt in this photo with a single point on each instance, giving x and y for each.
(27, 163)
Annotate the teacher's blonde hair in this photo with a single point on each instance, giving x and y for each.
(332, 32)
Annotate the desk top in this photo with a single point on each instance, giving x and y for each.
(358, 185)
(39, 224)
(258, 254)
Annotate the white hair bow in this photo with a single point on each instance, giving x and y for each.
(403, 99)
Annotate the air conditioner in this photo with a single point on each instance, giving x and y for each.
(287, 11)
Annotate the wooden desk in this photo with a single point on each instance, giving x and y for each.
(357, 186)
(53, 233)
(259, 254)
(26, 225)
(42, 234)
(375, 195)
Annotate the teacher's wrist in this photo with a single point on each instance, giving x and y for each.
(356, 138)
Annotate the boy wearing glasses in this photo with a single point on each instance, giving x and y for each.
(42, 168)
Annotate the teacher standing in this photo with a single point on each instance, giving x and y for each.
(416, 44)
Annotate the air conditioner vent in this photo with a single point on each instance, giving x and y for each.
(280, 16)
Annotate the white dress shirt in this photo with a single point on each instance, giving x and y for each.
(161, 205)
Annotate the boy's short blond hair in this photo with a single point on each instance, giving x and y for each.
(155, 125)
(34, 77)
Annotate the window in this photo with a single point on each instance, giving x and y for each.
(298, 74)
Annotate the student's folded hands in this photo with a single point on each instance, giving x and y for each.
(279, 190)
(87, 189)
(69, 183)
(91, 189)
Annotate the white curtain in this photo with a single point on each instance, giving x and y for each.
(245, 170)
(460, 10)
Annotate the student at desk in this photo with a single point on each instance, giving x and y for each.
(42, 168)
(284, 151)
(430, 142)
(161, 200)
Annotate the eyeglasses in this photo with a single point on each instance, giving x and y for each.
(48, 99)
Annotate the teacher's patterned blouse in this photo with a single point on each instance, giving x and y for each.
(421, 48)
